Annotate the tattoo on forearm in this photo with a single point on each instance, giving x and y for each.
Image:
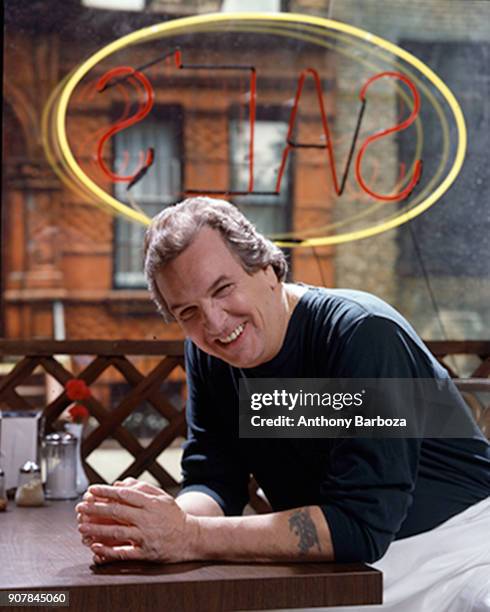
(301, 523)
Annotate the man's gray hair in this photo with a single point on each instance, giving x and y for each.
(173, 230)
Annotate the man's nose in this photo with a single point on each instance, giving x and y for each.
(214, 319)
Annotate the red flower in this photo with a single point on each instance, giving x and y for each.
(76, 390)
(78, 413)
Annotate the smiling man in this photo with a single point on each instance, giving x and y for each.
(228, 313)
(343, 499)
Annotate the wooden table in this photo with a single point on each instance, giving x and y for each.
(40, 549)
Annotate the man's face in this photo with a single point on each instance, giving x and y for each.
(225, 311)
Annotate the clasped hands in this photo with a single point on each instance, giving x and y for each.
(134, 520)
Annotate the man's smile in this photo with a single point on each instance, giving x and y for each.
(236, 333)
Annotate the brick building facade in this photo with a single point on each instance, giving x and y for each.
(59, 252)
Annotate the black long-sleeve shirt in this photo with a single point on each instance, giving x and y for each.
(371, 491)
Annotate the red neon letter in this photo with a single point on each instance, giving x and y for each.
(144, 109)
(398, 127)
(326, 131)
(252, 104)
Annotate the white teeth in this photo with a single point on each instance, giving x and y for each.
(234, 335)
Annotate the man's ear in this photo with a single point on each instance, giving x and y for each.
(271, 277)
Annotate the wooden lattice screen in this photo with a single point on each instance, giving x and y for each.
(476, 387)
(42, 354)
(146, 388)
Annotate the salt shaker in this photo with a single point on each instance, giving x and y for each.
(30, 488)
(3, 493)
(61, 466)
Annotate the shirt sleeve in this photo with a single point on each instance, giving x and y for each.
(211, 463)
(368, 489)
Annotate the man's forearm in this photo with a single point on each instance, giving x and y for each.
(135, 523)
(301, 534)
(199, 504)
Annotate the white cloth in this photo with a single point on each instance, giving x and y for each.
(446, 569)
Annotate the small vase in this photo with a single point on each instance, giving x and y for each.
(76, 429)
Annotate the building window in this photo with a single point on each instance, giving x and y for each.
(269, 213)
(160, 187)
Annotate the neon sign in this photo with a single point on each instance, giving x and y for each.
(410, 78)
(148, 101)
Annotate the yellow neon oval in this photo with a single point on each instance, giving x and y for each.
(177, 25)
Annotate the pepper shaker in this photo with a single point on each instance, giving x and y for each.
(30, 488)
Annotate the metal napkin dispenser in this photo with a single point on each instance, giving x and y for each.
(20, 434)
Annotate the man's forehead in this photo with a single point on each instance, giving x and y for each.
(203, 264)
(210, 239)
(207, 246)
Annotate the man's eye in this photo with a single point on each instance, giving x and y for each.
(187, 314)
(224, 290)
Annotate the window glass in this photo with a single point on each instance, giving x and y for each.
(71, 262)
(268, 212)
(160, 188)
